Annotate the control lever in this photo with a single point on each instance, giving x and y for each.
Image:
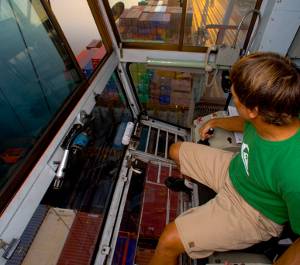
(75, 139)
(205, 141)
(60, 173)
(66, 144)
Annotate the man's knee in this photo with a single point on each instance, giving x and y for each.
(169, 241)
(174, 151)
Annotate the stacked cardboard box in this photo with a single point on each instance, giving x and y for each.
(154, 25)
(181, 91)
(97, 55)
(141, 79)
(188, 26)
(149, 9)
(156, 21)
(173, 2)
(176, 87)
(158, 3)
(161, 88)
(129, 22)
(175, 21)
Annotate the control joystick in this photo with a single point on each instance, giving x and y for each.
(205, 141)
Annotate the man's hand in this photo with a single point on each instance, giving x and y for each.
(232, 124)
(206, 131)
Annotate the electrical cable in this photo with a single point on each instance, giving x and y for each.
(241, 23)
(212, 79)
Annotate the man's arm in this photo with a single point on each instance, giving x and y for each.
(291, 256)
(233, 124)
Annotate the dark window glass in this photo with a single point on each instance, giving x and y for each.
(148, 21)
(207, 22)
(36, 77)
(176, 96)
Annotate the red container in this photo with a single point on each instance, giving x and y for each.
(153, 218)
(83, 58)
(152, 172)
(160, 203)
(81, 241)
(97, 56)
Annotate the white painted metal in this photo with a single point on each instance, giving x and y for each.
(165, 127)
(119, 219)
(148, 138)
(149, 157)
(167, 145)
(105, 243)
(266, 11)
(225, 21)
(157, 141)
(141, 56)
(281, 20)
(159, 172)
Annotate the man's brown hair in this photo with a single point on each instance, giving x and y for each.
(269, 82)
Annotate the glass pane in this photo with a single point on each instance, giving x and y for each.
(36, 77)
(150, 205)
(173, 96)
(216, 22)
(90, 178)
(149, 21)
(81, 32)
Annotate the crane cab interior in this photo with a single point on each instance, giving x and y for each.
(93, 94)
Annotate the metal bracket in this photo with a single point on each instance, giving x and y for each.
(130, 164)
(105, 250)
(9, 248)
(124, 179)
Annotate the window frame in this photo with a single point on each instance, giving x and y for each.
(173, 47)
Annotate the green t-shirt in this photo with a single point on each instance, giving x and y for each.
(267, 175)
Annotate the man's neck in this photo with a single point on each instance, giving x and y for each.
(273, 132)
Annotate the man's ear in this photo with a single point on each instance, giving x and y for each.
(253, 113)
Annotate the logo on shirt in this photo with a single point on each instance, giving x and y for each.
(245, 155)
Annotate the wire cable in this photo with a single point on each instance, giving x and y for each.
(241, 23)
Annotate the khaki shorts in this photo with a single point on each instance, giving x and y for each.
(226, 222)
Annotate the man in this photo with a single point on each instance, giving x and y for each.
(258, 189)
